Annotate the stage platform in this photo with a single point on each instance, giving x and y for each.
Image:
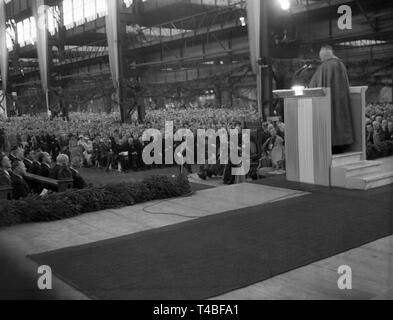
(26, 240)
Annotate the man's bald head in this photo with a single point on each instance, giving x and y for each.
(326, 52)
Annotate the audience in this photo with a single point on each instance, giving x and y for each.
(35, 143)
(16, 154)
(5, 167)
(45, 161)
(20, 187)
(61, 171)
(275, 147)
(55, 148)
(379, 130)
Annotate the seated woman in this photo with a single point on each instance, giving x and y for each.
(20, 187)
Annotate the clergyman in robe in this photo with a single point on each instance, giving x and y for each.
(332, 74)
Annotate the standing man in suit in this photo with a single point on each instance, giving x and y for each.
(20, 186)
(5, 167)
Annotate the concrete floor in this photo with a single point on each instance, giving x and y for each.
(37, 238)
(372, 265)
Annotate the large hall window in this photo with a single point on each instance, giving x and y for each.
(68, 13)
(101, 8)
(20, 33)
(78, 11)
(10, 38)
(90, 10)
(26, 31)
(53, 20)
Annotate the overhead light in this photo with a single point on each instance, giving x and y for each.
(243, 21)
(285, 4)
(299, 90)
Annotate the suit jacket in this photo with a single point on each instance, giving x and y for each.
(79, 182)
(44, 170)
(12, 158)
(60, 173)
(28, 163)
(5, 178)
(35, 168)
(20, 186)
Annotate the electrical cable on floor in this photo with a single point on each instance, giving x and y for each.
(145, 209)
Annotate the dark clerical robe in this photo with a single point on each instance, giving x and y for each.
(333, 74)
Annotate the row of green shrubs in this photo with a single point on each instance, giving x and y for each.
(58, 206)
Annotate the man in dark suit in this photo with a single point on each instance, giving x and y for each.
(29, 158)
(45, 161)
(16, 154)
(79, 182)
(36, 165)
(5, 167)
(20, 186)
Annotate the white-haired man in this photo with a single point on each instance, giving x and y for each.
(61, 171)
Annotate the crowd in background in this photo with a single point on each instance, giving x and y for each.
(379, 130)
(94, 140)
(101, 141)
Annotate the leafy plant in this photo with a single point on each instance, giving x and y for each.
(58, 206)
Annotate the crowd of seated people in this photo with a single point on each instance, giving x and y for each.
(267, 150)
(15, 167)
(379, 130)
(101, 141)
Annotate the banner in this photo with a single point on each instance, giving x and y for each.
(254, 39)
(40, 16)
(254, 25)
(3, 58)
(113, 40)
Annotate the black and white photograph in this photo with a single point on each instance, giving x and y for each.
(209, 152)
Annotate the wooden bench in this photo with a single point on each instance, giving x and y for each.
(5, 193)
(50, 184)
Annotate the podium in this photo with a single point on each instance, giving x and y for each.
(308, 133)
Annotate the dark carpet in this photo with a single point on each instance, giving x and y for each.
(218, 254)
(199, 187)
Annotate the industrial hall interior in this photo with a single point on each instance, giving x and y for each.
(219, 150)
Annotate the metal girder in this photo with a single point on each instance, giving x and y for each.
(192, 26)
(370, 22)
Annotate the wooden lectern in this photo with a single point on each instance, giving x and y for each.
(308, 138)
(308, 132)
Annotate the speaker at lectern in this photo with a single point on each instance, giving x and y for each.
(308, 133)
